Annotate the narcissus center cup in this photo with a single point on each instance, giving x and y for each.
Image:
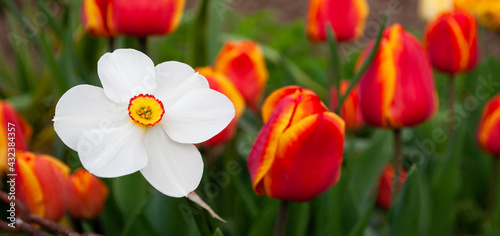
(145, 109)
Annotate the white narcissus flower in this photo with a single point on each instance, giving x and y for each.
(145, 118)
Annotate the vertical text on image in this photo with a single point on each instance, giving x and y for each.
(11, 176)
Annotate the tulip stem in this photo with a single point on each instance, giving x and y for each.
(111, 44)
(451, 103)
(493, 183)
(279, 229)
(396, 162)
(143, 45)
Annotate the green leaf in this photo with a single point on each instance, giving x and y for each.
(199, 54)
(405, 217)
(495, 218)
(129, 191)
(217, 12)
(360, 226)
(111, 217)
(446, 187)
(160, 206)
(367, 168)
(335, 63)
(218, 232)
(298, 218)
(264, 221)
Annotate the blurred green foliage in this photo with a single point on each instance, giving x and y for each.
(445, 194)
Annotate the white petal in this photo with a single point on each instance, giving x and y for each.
(126, 73)
(174, 169)
(174, 79)
(86, 107)
(198, 116)
(113, 152)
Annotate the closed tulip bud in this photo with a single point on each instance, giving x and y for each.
(351, 110)
(42, 184)
(15, 130)
(451, 41)
(347, 18)
(488, 133)
(385, 186)
(243, 63)
(87, 194)
(397, 89)
(430, 9)
(133, 18)
(298, 152)
(219, 82)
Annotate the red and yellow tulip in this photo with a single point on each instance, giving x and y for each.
(351, 110)
(243, 63)
(42, 184)
(397, 89)
(20, 132)
(384, 194)
(219, 82)
(133, 18)
(87, 194)
(347, 18)
(488, 133)
(298, 152)
(451, 41)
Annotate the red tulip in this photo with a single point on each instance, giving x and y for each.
(451, 41)
(243, 63)
(219, 82)
(347, 18)
(87, 194)
(397, 89)
(351, 110)
(298, 152)
(133, 18)
(18, 133)
(488, 133)
(42, 184)
(385, 186)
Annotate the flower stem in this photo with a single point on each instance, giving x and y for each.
(143, 45)
(493, 182)
(279, 229)
(111, 44)
(396, 162)
(451, 103)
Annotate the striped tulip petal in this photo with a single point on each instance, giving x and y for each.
(42, 184)
(298, 152)
(451, 41)
(488, 132)
(398, 88)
